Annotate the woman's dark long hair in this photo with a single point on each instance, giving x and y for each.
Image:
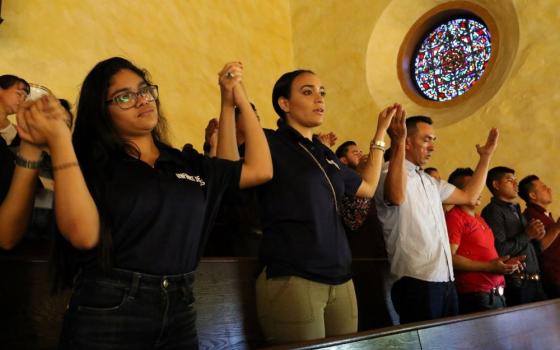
(96, 141)
(95, 138)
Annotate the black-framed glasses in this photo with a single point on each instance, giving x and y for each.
(128, 99)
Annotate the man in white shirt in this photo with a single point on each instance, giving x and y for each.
(13, 91)
(409, 205)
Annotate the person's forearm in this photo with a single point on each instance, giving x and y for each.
(76, 213)
(15, 210)
(227, 141)
(395, 183)
(462, 263)
(372, 169)
(476, 184)
(257, 163)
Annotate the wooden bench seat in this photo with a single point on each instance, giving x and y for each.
(530, 326)
(226, 312)
(224, 291)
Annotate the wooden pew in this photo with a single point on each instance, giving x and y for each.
(530, 326)
(224, 291)
(30, 317)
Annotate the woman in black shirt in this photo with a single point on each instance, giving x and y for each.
(306, 290)
(136, 210)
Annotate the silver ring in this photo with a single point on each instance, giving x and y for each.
(229, 75)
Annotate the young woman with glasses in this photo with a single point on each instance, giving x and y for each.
(136, 211)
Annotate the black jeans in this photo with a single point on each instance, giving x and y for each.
(551, 289)
(131, 310)
(416, 300)
(520, 292)
(474, 302)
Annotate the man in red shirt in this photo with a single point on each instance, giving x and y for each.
(538, 196)
(478, 269)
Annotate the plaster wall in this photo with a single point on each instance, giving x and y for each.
(183, 43)
(332, 38)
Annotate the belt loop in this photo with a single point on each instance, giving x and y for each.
(134, 284)
(187, 288)
(189, 279)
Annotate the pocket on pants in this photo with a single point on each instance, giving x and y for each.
(99, 297)
(289, 300)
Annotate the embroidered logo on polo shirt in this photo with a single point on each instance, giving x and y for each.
(332, 162)
(185, 176)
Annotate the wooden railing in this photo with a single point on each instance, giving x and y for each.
(530, 326)
(30, 317)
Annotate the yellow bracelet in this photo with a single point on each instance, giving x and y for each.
(64, 166)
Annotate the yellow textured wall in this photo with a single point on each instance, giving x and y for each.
(183, 43)
(331, 37)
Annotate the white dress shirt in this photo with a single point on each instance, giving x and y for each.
(8, 133)
(415, 232)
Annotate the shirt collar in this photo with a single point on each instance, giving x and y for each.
(537, 208)
(167, 154)
(411, 167)
(503, 203)
(294, 135)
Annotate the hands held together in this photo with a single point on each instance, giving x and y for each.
(230, 79)
(505, 265)
(536, 229)
(391, 120)
(43, 121)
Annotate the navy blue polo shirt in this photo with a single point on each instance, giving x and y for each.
(302, 231)
(159, 217)
(6, 169)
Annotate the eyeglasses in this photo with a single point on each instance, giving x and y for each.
(128, 99)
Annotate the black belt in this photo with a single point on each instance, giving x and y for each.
(499, 291)
(526, 276)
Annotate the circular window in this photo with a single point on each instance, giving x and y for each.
(451, 58)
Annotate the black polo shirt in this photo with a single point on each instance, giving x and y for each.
(302, 231)
(509, 228)
(6, 169)
(159, 217)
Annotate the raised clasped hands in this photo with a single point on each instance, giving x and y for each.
(230, 79)
(393, 118)
(42, 121)
(491, 143)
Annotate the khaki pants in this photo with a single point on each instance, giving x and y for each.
(292, 309)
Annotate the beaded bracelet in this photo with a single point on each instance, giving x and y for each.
(64, 166)
(26, 163)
